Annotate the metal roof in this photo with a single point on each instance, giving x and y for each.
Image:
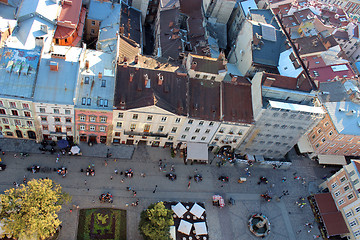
(58, 87)
(18, 72)
(295, 107)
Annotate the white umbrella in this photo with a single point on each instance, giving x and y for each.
(197, 210)
(75, 150)
(200, 228)
(179, 209)
(185, 227)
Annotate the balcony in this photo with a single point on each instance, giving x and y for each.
(148, 134)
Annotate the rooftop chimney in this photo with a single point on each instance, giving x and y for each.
(160, 79)
(193, 65)
(54, 66)
(269, 81)
(131, 77)
(234, 78)
(128, 35)
(136, 60)
(125, 59)
(100, 75)
(146, 78)
(87, 64)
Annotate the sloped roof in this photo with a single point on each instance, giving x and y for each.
(171, 95)
(310, 45)
(288, 82)
(130, 19)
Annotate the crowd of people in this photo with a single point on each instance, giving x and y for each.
(106, 197)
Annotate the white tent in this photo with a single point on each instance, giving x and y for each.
(179, 209)
(304, 145)
(332, 159)
(185, 227)
(197, 210)
(197, 152)
(75, 150)
(172, 232)
(200, 228)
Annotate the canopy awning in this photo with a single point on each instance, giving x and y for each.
(200, 228)
(197, 151)
(197, 210)
(75, 150)
(185, 227)
(332, 159)
(304, 145)
(179, 209)
(334, 224)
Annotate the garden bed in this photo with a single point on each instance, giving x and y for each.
(102, 224)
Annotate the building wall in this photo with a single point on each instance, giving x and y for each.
(219, 9)
(91, 28)
(142, 6)
(325, 139)
(195, 130)
(66, 41)
(241, 55)
(17, 119)
(152, 125)
(93, 125)
(234, 23)
(230, 134)
(55, 121)
(351, 214)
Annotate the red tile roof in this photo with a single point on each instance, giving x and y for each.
(334, 224)
(326, 73)
(68, 19)
(325, 203)
(299, 84)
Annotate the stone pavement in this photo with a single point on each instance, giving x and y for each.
(228, 223)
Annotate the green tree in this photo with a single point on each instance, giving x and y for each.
(30, 211)
(155, 222)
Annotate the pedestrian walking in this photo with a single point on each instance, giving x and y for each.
(116, 171)
(85, 182)
(283, 179)
(155, 189)
(189, 184)
(134, 192)
(57, 159)
(298, 232)
(106, 163)
(111, 177)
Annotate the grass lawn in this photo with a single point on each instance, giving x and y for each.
(102, 224)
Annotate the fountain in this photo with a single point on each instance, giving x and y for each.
(259, 225)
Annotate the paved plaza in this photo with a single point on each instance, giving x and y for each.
(287, 219)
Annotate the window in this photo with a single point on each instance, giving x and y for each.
(149, 117)
(357, 209)
(313, 136)
(67, 112)
(82, 118)
(161, 128)
(201, 123)
(57, 119)
(331, 133)
(117, 134)
(197, 75)
(213, 78)
(27, 114)
(9, 134)
(183, 136)
(357, 233)
(68, 129)
(103, 119)
(177, 120)
(132, 126)
(12, 104)
(42, 110)
(83, 101)
(89, 101)
(92, 128)
(319, 130)
(337, 193)
(15, 112)
(193, 137)
(352, 173)
(56, 111)
(346, 188)
(190, 121)
(68, 120)
(147, 128)
(102, 129)
(323, 139)
(350, 196)
(120, 115)
(82, 127)
(171, 138)
(7, 127)
(187, 129)
(207, 130)
(92, 31)
(135, 116)
(173, 130)
(334, 185)
(326, 124)
(43, 119)
(342, 179)
(93, 23)
(25, 105)
(203, 138)
(356, 181)
(17, 122)
(119, 124)
(1, 104)
(197, 130)
(29, 123)
(163, 119)
(341, 202)
(348, 214)
(103, 83)
(5, 121)
(211, 124)
(92, 118)
(352, 223)
(87, 79)
(316, 74)
(222, 130)
(45, 128)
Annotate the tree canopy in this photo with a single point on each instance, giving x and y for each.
(31, 210)
(155, 222)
